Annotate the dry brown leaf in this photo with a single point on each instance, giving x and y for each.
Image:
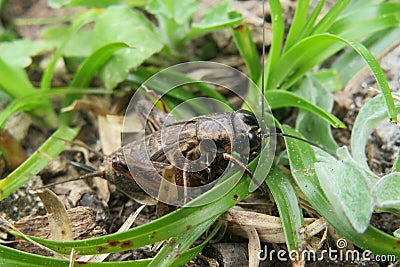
(89, 103)
(12, 150)
(110, 128)
(60, 225)
(254, 246)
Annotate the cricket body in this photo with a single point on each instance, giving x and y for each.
(189, 153)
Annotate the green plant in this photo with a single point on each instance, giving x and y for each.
(344, 191)
(290, 82)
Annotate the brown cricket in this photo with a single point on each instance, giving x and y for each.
(208, 141)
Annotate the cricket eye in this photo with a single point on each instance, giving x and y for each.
(114, 162)
(117, 164)
(254, 140)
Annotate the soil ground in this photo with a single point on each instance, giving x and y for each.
(111, 214)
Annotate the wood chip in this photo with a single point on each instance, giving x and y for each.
(83, 226)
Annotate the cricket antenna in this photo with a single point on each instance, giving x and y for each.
(263, 66)
(99, 173)
(264, 136)
(300, 139)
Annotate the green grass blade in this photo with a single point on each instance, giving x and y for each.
(37, 161)
(172, 251)
(330, 17)
(278, 29)
(367, 20)
(289, 208)
(371, 26)
(91, 64)
(86, 18)
(359, 4)
(298, 23)
(17, 258)
(85, 73)
(169, 83)
(16, 84)
(379, 76)
(248, 50)
(314, 50)
(301, 58)
(396, 164)
(309, 26)
(13, 257)
(140, 76)
(279, 99)
(35, 100)
(350, 63)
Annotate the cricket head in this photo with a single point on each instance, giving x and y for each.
(248, 131)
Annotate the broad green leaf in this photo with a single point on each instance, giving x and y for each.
(311, 126)
(280, 99)
(178, 11)
(347, 190)
(369, 116)
(397, 233)
(220, 16)
(344, 155)
(329, 79)
(302, 160)
(387, 191)
(86, 3)
(79, 44)
(37, 161)
(121, 24)
(288, 205)
(19, 53)
(57, 3)
(173, 19)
